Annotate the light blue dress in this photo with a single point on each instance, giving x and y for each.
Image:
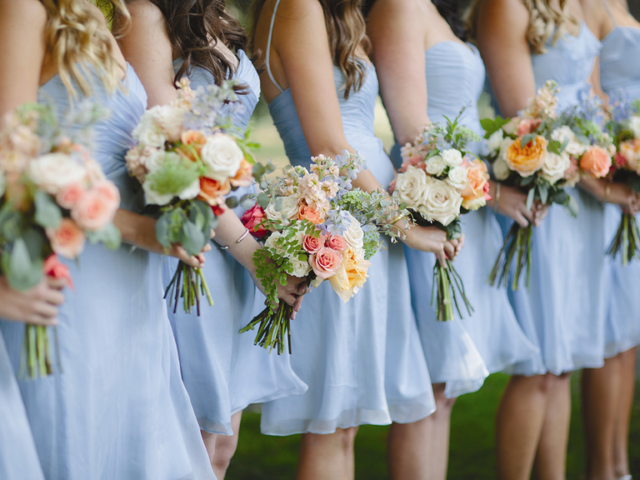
(119, 409)
(563, 312)
(457, 352)
(620, 70)
(18, 456)
(223, 370)
(362, 360)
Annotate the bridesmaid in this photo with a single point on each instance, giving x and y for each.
(438, 75)
(119, 408)
(607, 392)
(362, 360)
(524, 44)
(222, 370)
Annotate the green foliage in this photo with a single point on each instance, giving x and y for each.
(371, 244)
(491, 126)
(174, 175)
(48, 214)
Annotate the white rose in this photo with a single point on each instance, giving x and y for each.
(55, 171)
(169, 119)
(452, 157)
(411, 186)
(512, 125)
(495, 140)
(354, 234)
(157, 159)
(555, 166)
(148, 134)
(574, 147)
(222, 156)
(442, 202)
(504, 146)
(192, 191)
(458, 178)
(299, 268)
(435, 165)
(634, 125)
(283, 209)
(501, 169)
(154, 198)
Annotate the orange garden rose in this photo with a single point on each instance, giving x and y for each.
(528, 159)
(309, 213)
(596, 161)
(473, 197)
(351, 276)
(212, 190)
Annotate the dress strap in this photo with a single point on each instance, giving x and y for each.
(273, 19)
(606, 5)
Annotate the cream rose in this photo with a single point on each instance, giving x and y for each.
(442, 202)
(452, 157)
(354, 234)
(222, 156)
(154, 198)
(271, 244)
(435, 165)
(169, 119)
(148, 133)
(458, 178)
(55, 171)
(634, 125)
(495, 140)
(299, 268)
(501, 169)
(555, 166)
(574, 147)
(283, 209)
(192, 191)
(411, 186)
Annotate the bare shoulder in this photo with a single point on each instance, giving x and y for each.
(306, 11)
(28, 13)
(502, 15)
(145, 11)
(407, 10)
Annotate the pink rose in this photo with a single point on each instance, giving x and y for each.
(313, 244)
(98, 206)
(336, 242)
(67, 240)
(596, 161)
(70, 195)
(252, 219)
(54, 268)
(527, 126)
(326, 262)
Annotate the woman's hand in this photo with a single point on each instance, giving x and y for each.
(624, 196)
(195, 261)
(37, 306)
(513, 203)
(434, 240)
(291, 293)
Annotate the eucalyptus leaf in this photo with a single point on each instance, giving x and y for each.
(530, 137)
(21, 272)
(530, 197)
(232, 202)
(162, 230)
(543, 190)
(263, 200)
(48, 214)
(193, 239)
(572, 207)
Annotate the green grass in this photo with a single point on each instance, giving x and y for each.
(472, 442)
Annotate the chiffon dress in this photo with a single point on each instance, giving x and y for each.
(563, 311)
(118, 410)
(362, 360)
(223, 370)
(620, 70)
(18, 456)
(458, 351)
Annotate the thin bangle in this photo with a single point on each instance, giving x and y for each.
(242, 237)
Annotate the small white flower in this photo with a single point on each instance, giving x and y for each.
(435, 165)
(501, 169)
(458, 178)
(494, 142)
(634, 125)
(555, 166)
(222, 156)
(55, 171)
(452, 157)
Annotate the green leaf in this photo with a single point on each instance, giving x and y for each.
(109, 236)
(491, 126)
(530, 197)
(543, 190)
(193, 239)
(232, 202)
(530, 137)
(21, 272)
(162, 230)
(263, 200)
(572, 207)
(454, 230)
(559, 197)
(48, 214)
(527, 180)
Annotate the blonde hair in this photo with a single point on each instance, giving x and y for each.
(546, 21)
(77, 41)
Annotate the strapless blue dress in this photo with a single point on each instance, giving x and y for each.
(362, 360)
(119, 409)
(620, 70)
(455, 77)
(223, 370)
(563, 312)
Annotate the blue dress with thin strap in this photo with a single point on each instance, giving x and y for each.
(118, 410)
(620, 70)
(223, 370)
(455, 76)
(563, 312)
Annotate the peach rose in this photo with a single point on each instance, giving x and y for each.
(244, 176)
(474, 195)
(97, 207)
(313, 244)
(70, 195)
(596, 161)
(211, 191)
(527, 126)
(67, 240)
(54, 268)
(528, 159)
(351, 276)
(193, 141)
(336, 242)
(326, 262)
(309, 213)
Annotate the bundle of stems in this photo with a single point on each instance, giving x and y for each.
(189, 284)
(273, 327)
(446, 286)
(516, 246)
(626, 240)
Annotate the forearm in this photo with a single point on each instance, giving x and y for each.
(596, 187)
(229, 230)
(138, 230)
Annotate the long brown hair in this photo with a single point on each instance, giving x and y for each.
(347, 32)
(77, 41)
(195, 27)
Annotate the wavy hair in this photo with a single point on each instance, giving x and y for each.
(546, 21)
(347, 32)
(78, 42)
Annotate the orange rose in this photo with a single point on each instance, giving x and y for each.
(528, 159)
(67, 240)
(596, 161)
(473, 197)
(192, 140)
(211, 191)
(309, 213)
(244, 175)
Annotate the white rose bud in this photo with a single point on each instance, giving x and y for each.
(354, 234)
(458, 178)
(555, 166)
(411, 186)
(169, 119)
(435, 165)
(452, 157)
(222, 156)
(442, 202)
(55, 171)
(501, 169)
(283, 209)
(494, 142)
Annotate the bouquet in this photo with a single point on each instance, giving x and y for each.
(189, 156)
(315, 227)
(624, 127)
(541, 153)
(53, 198)
(438, 181)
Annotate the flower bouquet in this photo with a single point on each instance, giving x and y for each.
(315, 227)
(438, 182)
(624, 127)
(53, 198)
(540, 153)
(189, 156)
